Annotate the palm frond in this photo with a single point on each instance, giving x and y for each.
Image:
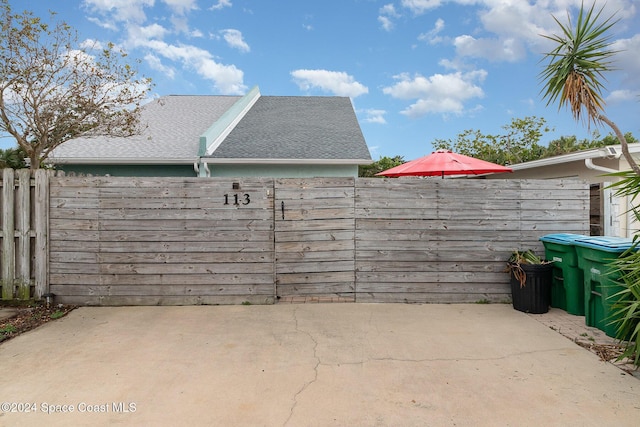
(575, 71)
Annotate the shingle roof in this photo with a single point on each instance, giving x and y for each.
(276, 127)
(173, 127)
(296, 127)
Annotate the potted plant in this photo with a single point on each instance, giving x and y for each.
(531, 278)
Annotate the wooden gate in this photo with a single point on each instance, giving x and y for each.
(314, 239)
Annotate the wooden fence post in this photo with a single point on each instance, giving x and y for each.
(23, 230)
(8, 233)
(41, 224)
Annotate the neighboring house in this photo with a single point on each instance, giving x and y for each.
(609, 214)
(229, 136)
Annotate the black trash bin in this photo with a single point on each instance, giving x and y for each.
(534, 296)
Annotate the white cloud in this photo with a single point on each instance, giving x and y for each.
(420, 6)
(156, 64)
(510, 49)
(336, 82)
(109, 25)
(510, 28)
(226, 78)
(91, 44)
(196, 33)
(451, 64)
(221, 5)
(439, 93)
(153, 31)
(235, 40)
(181, 6)
(375, 116)
(385, 22)
(627, 58)
(623, 96)
(432, 36)
(121, 10)
(180, 24)
(387, 12)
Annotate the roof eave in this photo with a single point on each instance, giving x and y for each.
(596, 153)
(123, 161)
(235, 161)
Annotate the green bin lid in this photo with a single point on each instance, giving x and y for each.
(605, 243)
(562, 238)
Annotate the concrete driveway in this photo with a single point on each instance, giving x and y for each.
(308, 365)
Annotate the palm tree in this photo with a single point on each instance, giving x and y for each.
(576, 68)
(12, 158)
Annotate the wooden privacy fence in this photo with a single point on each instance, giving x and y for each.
(161, 240)
(225, 241)
(24, 247)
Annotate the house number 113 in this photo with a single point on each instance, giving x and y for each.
(237, 199)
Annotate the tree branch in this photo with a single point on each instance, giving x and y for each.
(623, 143)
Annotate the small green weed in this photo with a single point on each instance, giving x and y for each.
(483, 301)
(57, 314)
(9, 329)
(246, 303)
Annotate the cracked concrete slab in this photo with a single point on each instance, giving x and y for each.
(308, 365)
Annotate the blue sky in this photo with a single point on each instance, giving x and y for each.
(415, 70)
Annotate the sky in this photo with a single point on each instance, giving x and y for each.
(415, 70)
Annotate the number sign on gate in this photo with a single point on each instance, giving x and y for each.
(237, 199)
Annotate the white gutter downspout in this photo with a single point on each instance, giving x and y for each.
(202, 169)
(590, 165)
(608, 199)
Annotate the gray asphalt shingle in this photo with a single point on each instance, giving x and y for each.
(276, 127)
(296, 127)
(173, 127)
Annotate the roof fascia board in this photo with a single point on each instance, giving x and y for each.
(214, 161)
(123, 161)
(213, 137)
(596, 153)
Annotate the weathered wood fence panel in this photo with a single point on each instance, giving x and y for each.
(223, 241)
(314, 239)
(447, 240)
(161, 241)
(24, 234)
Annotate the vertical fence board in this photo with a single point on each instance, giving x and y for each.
(8, 233)
(41, 224)
(23, 231)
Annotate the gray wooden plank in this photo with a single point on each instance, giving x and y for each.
(208, 279)
(186, 289)
(153, 300)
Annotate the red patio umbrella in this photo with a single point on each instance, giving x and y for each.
(444, 162)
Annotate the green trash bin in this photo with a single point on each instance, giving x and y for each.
(567, 286)
(600, 280)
